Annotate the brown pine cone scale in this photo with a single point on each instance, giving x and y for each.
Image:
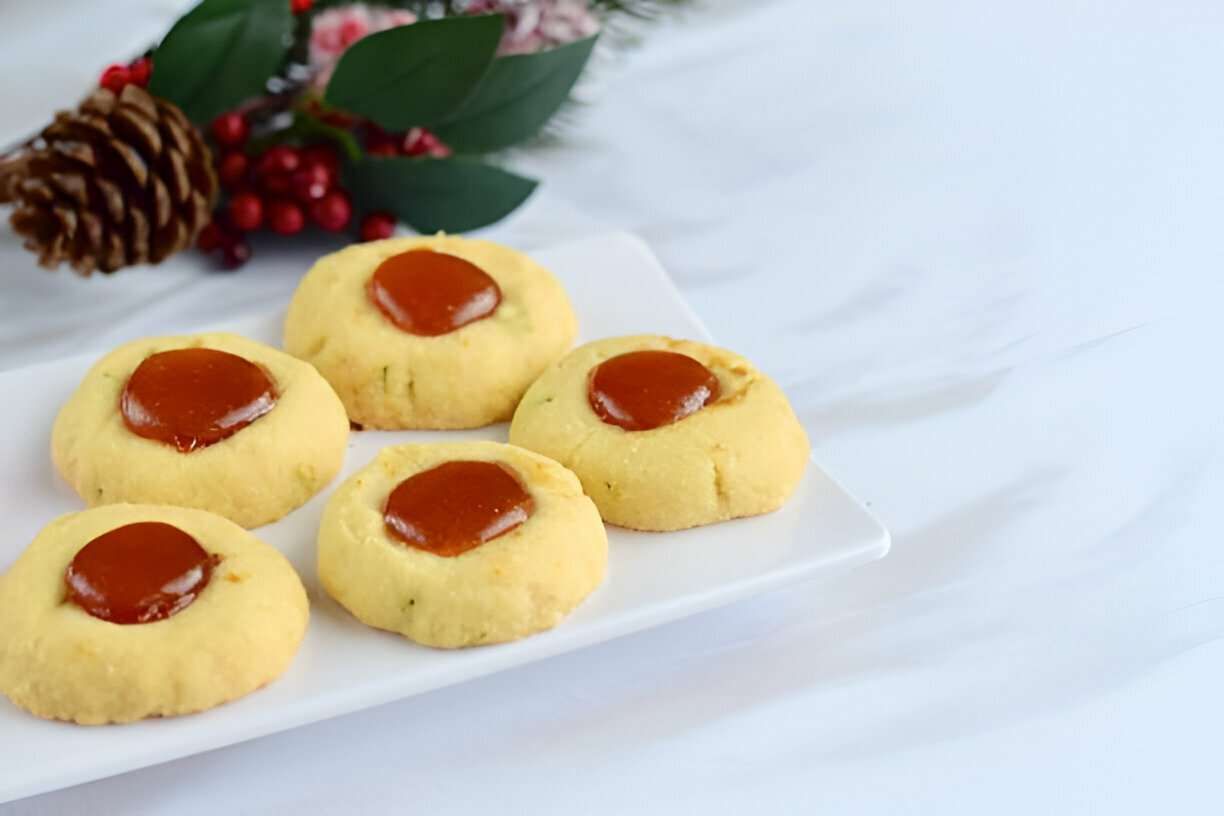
(121, 180)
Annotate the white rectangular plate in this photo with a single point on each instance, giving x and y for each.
(617, 287)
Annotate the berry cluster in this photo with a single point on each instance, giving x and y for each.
(283, 188)
(136, 72)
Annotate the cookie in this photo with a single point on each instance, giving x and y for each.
(130, 611)
(213, 421)
(436, 332)
(665, 434)
(460, 544)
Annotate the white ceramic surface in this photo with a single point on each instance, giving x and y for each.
(618, 288)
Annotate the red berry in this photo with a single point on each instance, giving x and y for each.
(230, 129)
(382, 146)
(332, 212)
(276, 183)
(141, 70)
(300, 6)
(115, 77)
(286, 217)
(235, 254)
(322, 154)
(378, 142)
(274, 170)
(211, 237)
(246, 211)
(280, 159)
(418, 141)
(377, 225)
(311, 182)
(232, 169)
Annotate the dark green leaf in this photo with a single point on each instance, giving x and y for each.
(517, 95)
(454, 195)
(414, 74)
(220, 54)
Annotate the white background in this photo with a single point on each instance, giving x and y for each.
(979, 245)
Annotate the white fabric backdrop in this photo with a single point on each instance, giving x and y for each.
(978, 243)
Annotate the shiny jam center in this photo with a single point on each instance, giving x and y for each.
(641, 390)
(194, 397)
(457, 506)
(138, 573)
(431, 293)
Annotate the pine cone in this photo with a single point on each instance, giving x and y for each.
(119, 181)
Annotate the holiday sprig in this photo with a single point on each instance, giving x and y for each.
(396, 128)
(323, 113)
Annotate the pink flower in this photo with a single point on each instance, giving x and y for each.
(532, 25)
(390, 18)
(335, 29)
(562, 22)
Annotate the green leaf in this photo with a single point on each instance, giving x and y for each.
(221, 54)
(454, 195)
(517, 96)
(414, 74)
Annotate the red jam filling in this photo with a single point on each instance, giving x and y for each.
(457, 506)
(431, 293)
(194, 397)
(138, 573)
(641, 390)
